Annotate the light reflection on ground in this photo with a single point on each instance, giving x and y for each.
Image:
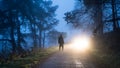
(67, 59)
(74, 55)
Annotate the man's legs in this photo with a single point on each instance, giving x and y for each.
(59, 47)
(62, 47)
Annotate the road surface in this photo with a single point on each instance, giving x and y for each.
(67, 59)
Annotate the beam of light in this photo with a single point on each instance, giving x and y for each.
(80, 44)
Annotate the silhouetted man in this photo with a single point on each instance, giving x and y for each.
(61, 42)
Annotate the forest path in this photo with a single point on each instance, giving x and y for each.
(67, 59)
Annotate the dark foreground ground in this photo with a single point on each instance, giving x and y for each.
(67, 59)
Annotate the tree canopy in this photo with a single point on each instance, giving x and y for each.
(23, 22)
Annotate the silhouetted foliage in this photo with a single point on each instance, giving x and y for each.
(24, 22)
(97, 15)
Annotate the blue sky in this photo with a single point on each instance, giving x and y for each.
(64, 6)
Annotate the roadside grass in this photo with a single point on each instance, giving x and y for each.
(106, 60)
(106, 51)
(31, 60)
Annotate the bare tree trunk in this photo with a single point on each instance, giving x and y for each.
(33, 28)
(13, 40)
(34, 36)
(113, 15)
(19, 48)
(98, 18)
(12, 34)
(40, 38)
(117, 23)
(44, 39)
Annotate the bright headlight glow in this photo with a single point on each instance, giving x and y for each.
(80, 43)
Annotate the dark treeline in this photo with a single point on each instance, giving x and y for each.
(24, 22)
(99, 15)
(100, 18)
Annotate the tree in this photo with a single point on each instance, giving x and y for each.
(94, 13)
(20, 19)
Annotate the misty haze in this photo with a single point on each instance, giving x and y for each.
(59, 33)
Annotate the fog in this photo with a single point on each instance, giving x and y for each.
(63, 26)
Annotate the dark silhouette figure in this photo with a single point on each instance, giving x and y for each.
(61, 42)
